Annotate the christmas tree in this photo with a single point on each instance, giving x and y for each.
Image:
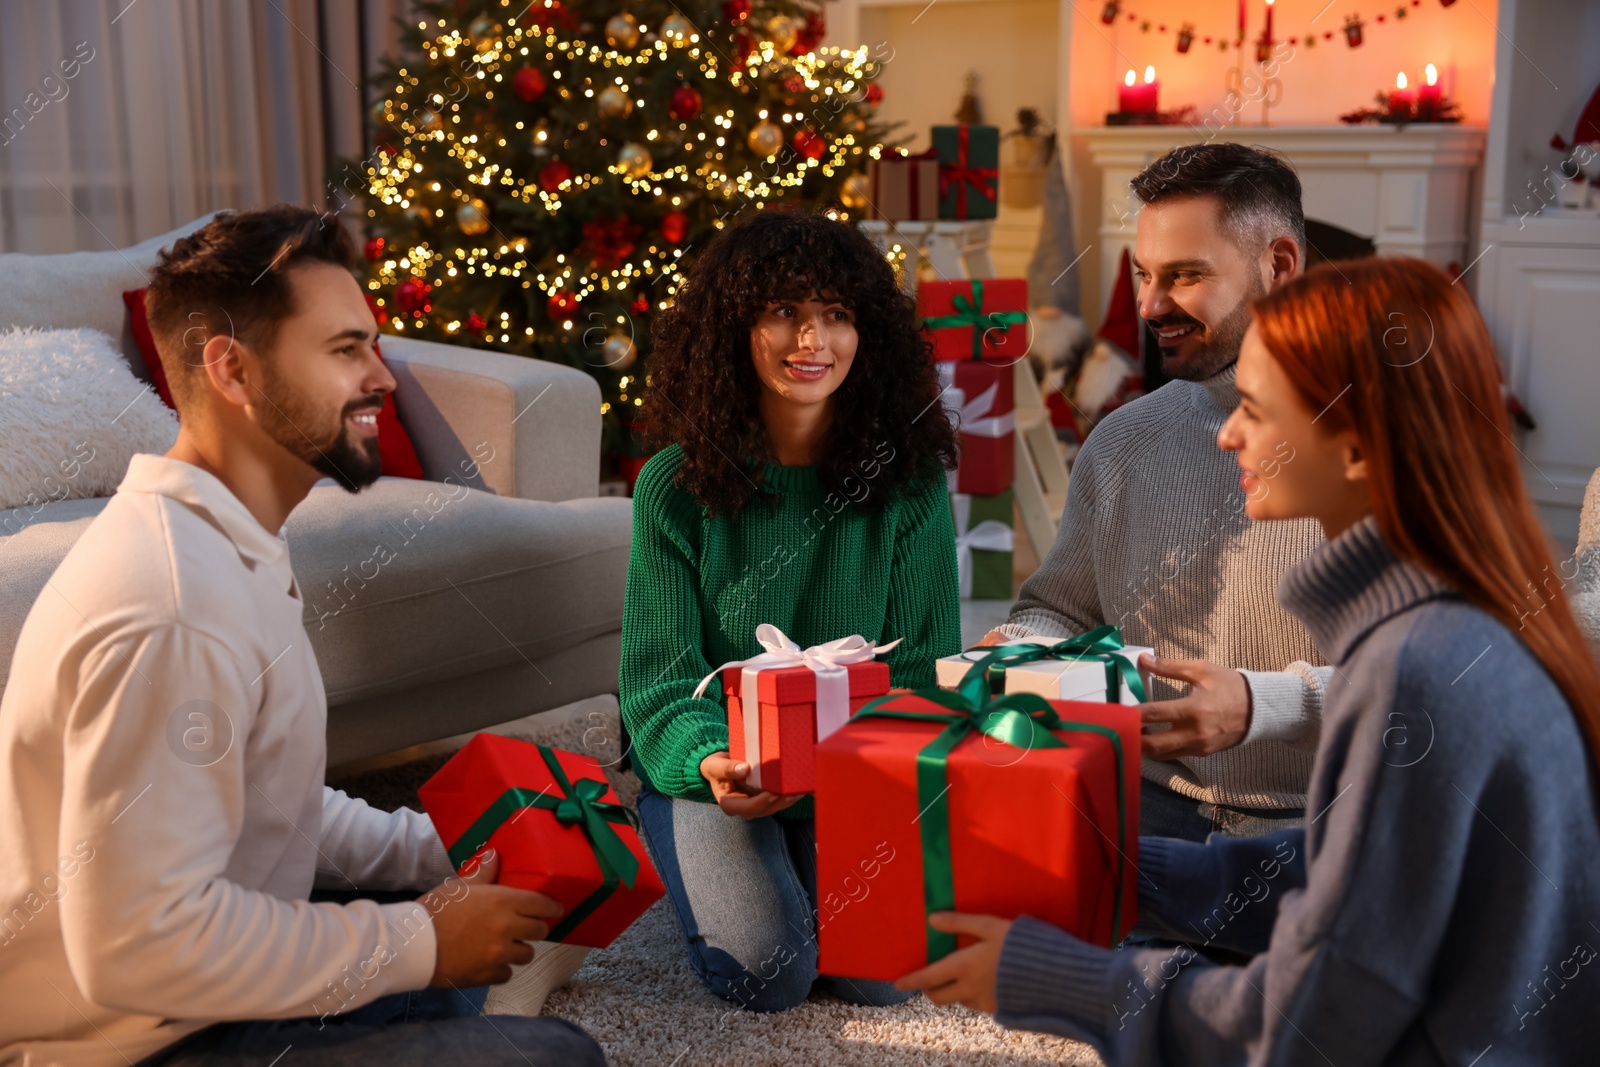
(542, 176)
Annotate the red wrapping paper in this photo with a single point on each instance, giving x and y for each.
(988, 462)
(1031, 832)
(1005, 345)
(536, 851)
(788, 697)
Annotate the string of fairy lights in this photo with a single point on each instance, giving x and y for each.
(427, 121)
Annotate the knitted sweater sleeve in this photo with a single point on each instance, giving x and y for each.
(924, 602)
(1062, 598)
(663, 640)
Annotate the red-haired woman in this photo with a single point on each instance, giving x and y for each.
(1441, 901)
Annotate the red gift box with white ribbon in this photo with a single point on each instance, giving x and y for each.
(980, 401)
(786, 699)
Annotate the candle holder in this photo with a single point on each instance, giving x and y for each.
(1403, 107)
(1242, 88)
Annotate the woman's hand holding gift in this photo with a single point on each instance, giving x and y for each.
(727, 779)
(967, 975)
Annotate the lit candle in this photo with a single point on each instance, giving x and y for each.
(1269, 22)
(1400, 99)
(1241, 19)
(1428, 95)
(1135, 97)
(1152, 89)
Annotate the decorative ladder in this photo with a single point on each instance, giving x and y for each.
(961, 250)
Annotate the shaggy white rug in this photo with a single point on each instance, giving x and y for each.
(71, 416)
(642, 1001)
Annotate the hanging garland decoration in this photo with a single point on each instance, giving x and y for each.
(1354, 28)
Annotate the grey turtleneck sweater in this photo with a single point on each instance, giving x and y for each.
(1440, 902)
(1155, 541)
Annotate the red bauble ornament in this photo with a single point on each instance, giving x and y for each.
(743, 44)
(641, 305)
(553, 173)
(874, 94)
(793, 85)
(373, 249)
(378, 312)
(736, 11)
(562, 305)
(413, 296)
(812, 31)
(475, 323)
(674, 225)
(808, 144)
(685, 103)
(528, 84)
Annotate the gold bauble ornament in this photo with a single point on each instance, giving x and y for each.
(613, 103)
(619, 351)
(857, 192)
(481, 30)
(428, 121)
(781, 31)
(766, 139)
(473, 217)
(622, 31)
(419, 213)
(677, 29)
(635, 160)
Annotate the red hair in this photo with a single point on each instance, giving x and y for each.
(1390, 349)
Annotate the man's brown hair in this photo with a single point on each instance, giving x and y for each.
(230, 278)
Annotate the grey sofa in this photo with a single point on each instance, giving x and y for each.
(491, 591)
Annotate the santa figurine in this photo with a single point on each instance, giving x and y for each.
(1109, 375)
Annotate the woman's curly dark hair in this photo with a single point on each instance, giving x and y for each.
(703, 382)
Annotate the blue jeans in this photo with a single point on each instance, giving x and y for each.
(426, 1027)
(744, 892)
(1164, 813)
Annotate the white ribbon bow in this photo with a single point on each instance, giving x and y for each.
(990, 535)
(827, 661)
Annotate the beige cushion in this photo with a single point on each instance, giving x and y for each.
(415, 582)
(82, 289)
(32, 543)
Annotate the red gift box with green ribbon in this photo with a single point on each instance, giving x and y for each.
(557, 827)
(976, 318)
(969, 171)
(954, 801)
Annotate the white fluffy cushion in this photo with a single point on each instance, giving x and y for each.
(71, 416)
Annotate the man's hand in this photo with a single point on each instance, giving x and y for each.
(1212, 716)
(967, 975)
(726, 776)
(992, 638)
(482, 928)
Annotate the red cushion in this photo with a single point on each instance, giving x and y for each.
(394, 444)
(134, 298)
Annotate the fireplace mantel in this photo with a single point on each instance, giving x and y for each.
(1411, 190)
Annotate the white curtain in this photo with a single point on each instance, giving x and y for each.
(122, 119)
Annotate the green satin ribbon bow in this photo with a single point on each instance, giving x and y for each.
(580, 805)
(1021, 719)
(968, 313)
(1099, 645)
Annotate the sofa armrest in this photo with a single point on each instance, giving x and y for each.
(509, 424)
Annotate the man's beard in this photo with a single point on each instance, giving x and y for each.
(1212, 353)
(304, 433)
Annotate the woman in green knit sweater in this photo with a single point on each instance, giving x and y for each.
(800, 483)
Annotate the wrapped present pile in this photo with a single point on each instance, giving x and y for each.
(957, 179)
(979, 329)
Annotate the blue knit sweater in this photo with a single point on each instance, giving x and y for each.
(1441, 905)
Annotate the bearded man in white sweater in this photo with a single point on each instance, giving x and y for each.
(1155, 539)
(162, 734)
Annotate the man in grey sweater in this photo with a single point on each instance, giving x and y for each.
(1155, 539)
